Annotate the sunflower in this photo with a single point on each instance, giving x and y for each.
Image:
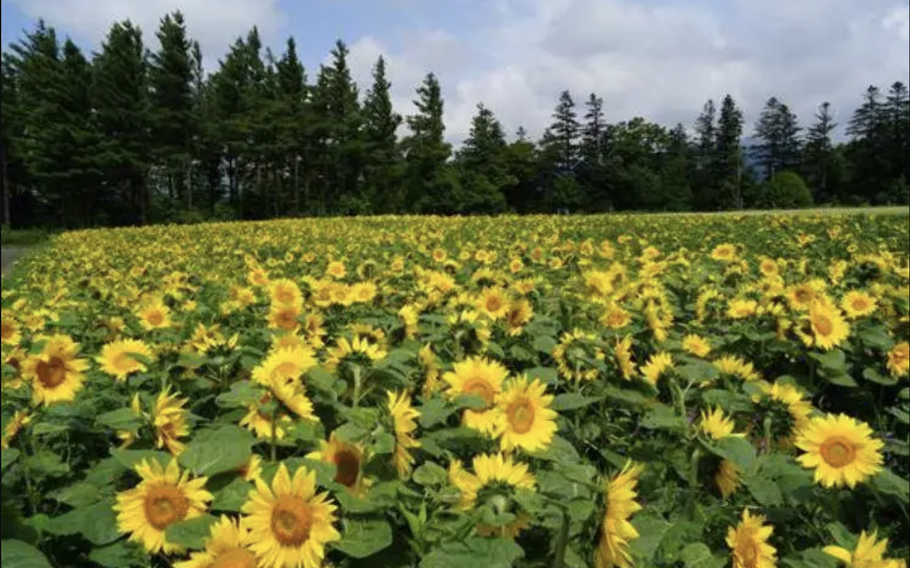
(285, 292)
(290, 524)
(657, 365)
(410, 319)
(696, 345)
(493, 474)
(827, 327)
(727, 478)
(769, 268)
(742, 309)
(736, 367)
(724, 253)
(481, 378)
(617, 531)
(858, 304)
(56, 374)
(841, 450)
(519, 314)
(359, 349)
(293, 396)
(20, 420)
(155, 315)
(169, 421)
(165, 496)
(717, 426)
(794, 399)
(869, 553)
(430, 367)
(403, 416)
(10, 333)
(282, 365)
(569, 354)
(526, 420)
(348, 459)
(616, 318)
(336, 270)
(252, 469)
(364, 292)
(119, 358)
(801, 297)
(749, 543)
(314, 327)
(264, 425)
(899, 360)
(287, 341)
(285, 317)
(625, 359)
(494, 302)
(228, 546)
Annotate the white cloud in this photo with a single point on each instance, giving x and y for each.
(215, 24)
(660, 59)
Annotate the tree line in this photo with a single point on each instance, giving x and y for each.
(134, 136)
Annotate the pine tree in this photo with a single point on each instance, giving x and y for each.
(594, 174)
(383, 162)
(483, 164)
(561, 140)
(430, 183)
(10, 130)
(869, 147)
(707, 190)
(820, 153)
(346, 147)
(121, 113)
(677, 190)
(292, 117)
(728, 162)
(779, 145)
(897, 109)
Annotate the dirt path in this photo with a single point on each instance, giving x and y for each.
(8, 255)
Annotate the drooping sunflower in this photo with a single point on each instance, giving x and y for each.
(525, 420)
(290, 524)
(899, 360)
(403, 417)
(314, 327)
(840, 449)
(481, 378)
(617, 531)
(154, 315)
(118, 359)
(410, 319)
(165, 496)
(570, 353)
(519, 314)
(718, 426)
(624, 358)
(169, 420)
(292, 394)
(359, 349)
(495, 473)
(20, 420)
(348, 459)
(727, 478)
(430, 367)
(793, 398)
(748, 543)
(56, 373)
(857, 304)
(696, 345)
(252, 469)
(742, 309)
(286, 364)
(228, 546)
(737, 367)
(869, 553)
(827, 327)
(657, 365)
(10, 333)
(264, 425)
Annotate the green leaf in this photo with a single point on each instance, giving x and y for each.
(321, 380)
(872, 375)
(470, 401)
(560, 451)
(547, 375)
(431, 474)
(571, 401)
(242, 394)
(218, 451)
(47, 428)
(46, 463)
(434, 412)
(700, 372)
(190, 360)
(652, 530)
(17, 554)
(130, 458)
(191, 534)
(876, 337)
(834, 368)
(698, 555)
(120, 419)
(383, 444)
(98, 523)
(890, 483)
(232, 496)
(662, 417)
(117, 555)
(738, 451)
(7, 458)
(363, 538)
(474, 553)
(79, 495)
(545, 344)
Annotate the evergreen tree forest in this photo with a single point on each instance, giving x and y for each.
(139, 133)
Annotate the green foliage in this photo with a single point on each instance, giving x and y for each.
(786, 190)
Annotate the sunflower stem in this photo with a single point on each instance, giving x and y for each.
(358, 384)
(562, 542)
(274, 441)
(768, 435)
(693, 481)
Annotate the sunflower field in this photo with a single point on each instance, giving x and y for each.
(393, 392)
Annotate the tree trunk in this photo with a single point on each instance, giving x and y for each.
(296, 187)
(189, 186)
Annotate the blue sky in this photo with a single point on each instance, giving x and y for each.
(656, 58)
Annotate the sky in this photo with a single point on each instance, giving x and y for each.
(661, 59)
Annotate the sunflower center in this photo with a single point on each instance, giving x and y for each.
(164, 506)
(347, 468)
(750, 552)
(860, 304)
(291, 521)
(521, 415)
(822, 324)
(286, 369)
(6, 331)
(284, 296)
(838, 452)
(494, 304)
(483, 389)
(122, 362)
(235, 558)
(155, 317)
(286, 319)
(51, 373)
(516, 317)
(803, 296)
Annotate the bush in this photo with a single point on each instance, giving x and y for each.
(22, 237)
(786, 190)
